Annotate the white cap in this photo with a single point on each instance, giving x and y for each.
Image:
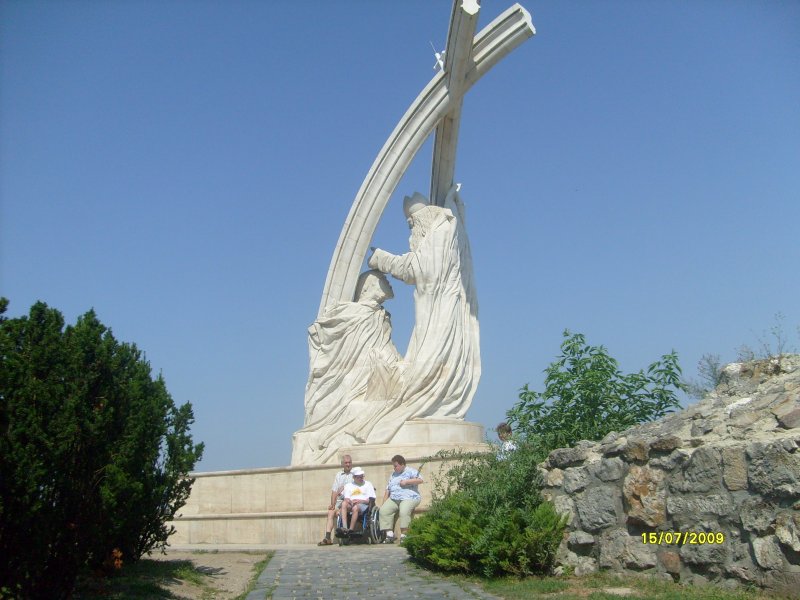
(357, 471)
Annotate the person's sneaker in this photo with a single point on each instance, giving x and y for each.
(389, 540)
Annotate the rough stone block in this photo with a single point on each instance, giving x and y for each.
(757, 515)
(665, 444)
(700, 427)
(674, 459)
(773, 470)
(639, 556)
(582, 565)
(767, 553)
(597, 508)
(608, 469)
(580, 541)
(742, 572)
(565, 505)
(703, 471)
(619, 549)
(703, 554)
(636, 450)
(614, 448)
(644, 496)
(612, 547)
(567, 457)
(671, 561)
(744, 417)
(734, 468)
(691, 510)
(788, 412)
(575, 479)
(787, 530)
(554, 478)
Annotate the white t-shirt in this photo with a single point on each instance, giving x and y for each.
(365, 491)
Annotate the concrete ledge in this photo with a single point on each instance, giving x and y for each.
(277, 505)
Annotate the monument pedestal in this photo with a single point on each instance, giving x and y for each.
(419, 438)
(288, 505)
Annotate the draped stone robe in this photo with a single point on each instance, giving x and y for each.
(350, 350)
(442, 367)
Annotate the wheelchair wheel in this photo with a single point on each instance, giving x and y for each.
(375, 536)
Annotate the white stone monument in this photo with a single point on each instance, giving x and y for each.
(362, 397)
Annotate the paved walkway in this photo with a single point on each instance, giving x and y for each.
(353, 572)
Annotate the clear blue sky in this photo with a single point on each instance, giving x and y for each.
(185, 168)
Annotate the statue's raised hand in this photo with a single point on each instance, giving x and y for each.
(371, 262)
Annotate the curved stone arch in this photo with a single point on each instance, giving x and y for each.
(494, 42)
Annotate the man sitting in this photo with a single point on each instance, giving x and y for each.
(358, 495)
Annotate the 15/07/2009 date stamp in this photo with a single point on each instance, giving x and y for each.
(683, 537)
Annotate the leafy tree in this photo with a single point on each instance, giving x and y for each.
(94, 454)
(587, 396)
(487, 514)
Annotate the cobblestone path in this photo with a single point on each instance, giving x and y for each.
(357, 572)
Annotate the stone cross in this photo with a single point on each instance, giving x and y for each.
(437, 107)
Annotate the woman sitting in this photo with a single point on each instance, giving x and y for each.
(401, 496)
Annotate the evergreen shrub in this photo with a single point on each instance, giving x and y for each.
(487, 517)
(94, 453)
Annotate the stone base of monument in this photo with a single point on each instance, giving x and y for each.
(422, 437)
(288, 505)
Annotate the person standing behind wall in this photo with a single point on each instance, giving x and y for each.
(507, 444)
(402, 496)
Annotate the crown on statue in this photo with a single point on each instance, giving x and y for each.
(413, 203)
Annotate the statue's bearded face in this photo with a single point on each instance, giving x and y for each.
(422, 221)
(417, 235)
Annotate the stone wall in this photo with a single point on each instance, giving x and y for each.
(727, 465)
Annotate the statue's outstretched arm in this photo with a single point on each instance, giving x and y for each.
(404, 267)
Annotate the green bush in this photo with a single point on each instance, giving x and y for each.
(490, 479)
(94, 455)
(487, 517)
(441, 539)
(519, 542)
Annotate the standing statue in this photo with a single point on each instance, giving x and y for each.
(351, 354)
(360, 391)
(442, 367)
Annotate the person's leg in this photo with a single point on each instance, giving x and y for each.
(328, 528)
(354, 516)
(387, 515)
(406, 509)
(345, 511)
(330, 524)
(331, 521)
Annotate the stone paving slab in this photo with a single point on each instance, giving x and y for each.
(353, 572)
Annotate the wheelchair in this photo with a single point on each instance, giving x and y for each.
(367, 529)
